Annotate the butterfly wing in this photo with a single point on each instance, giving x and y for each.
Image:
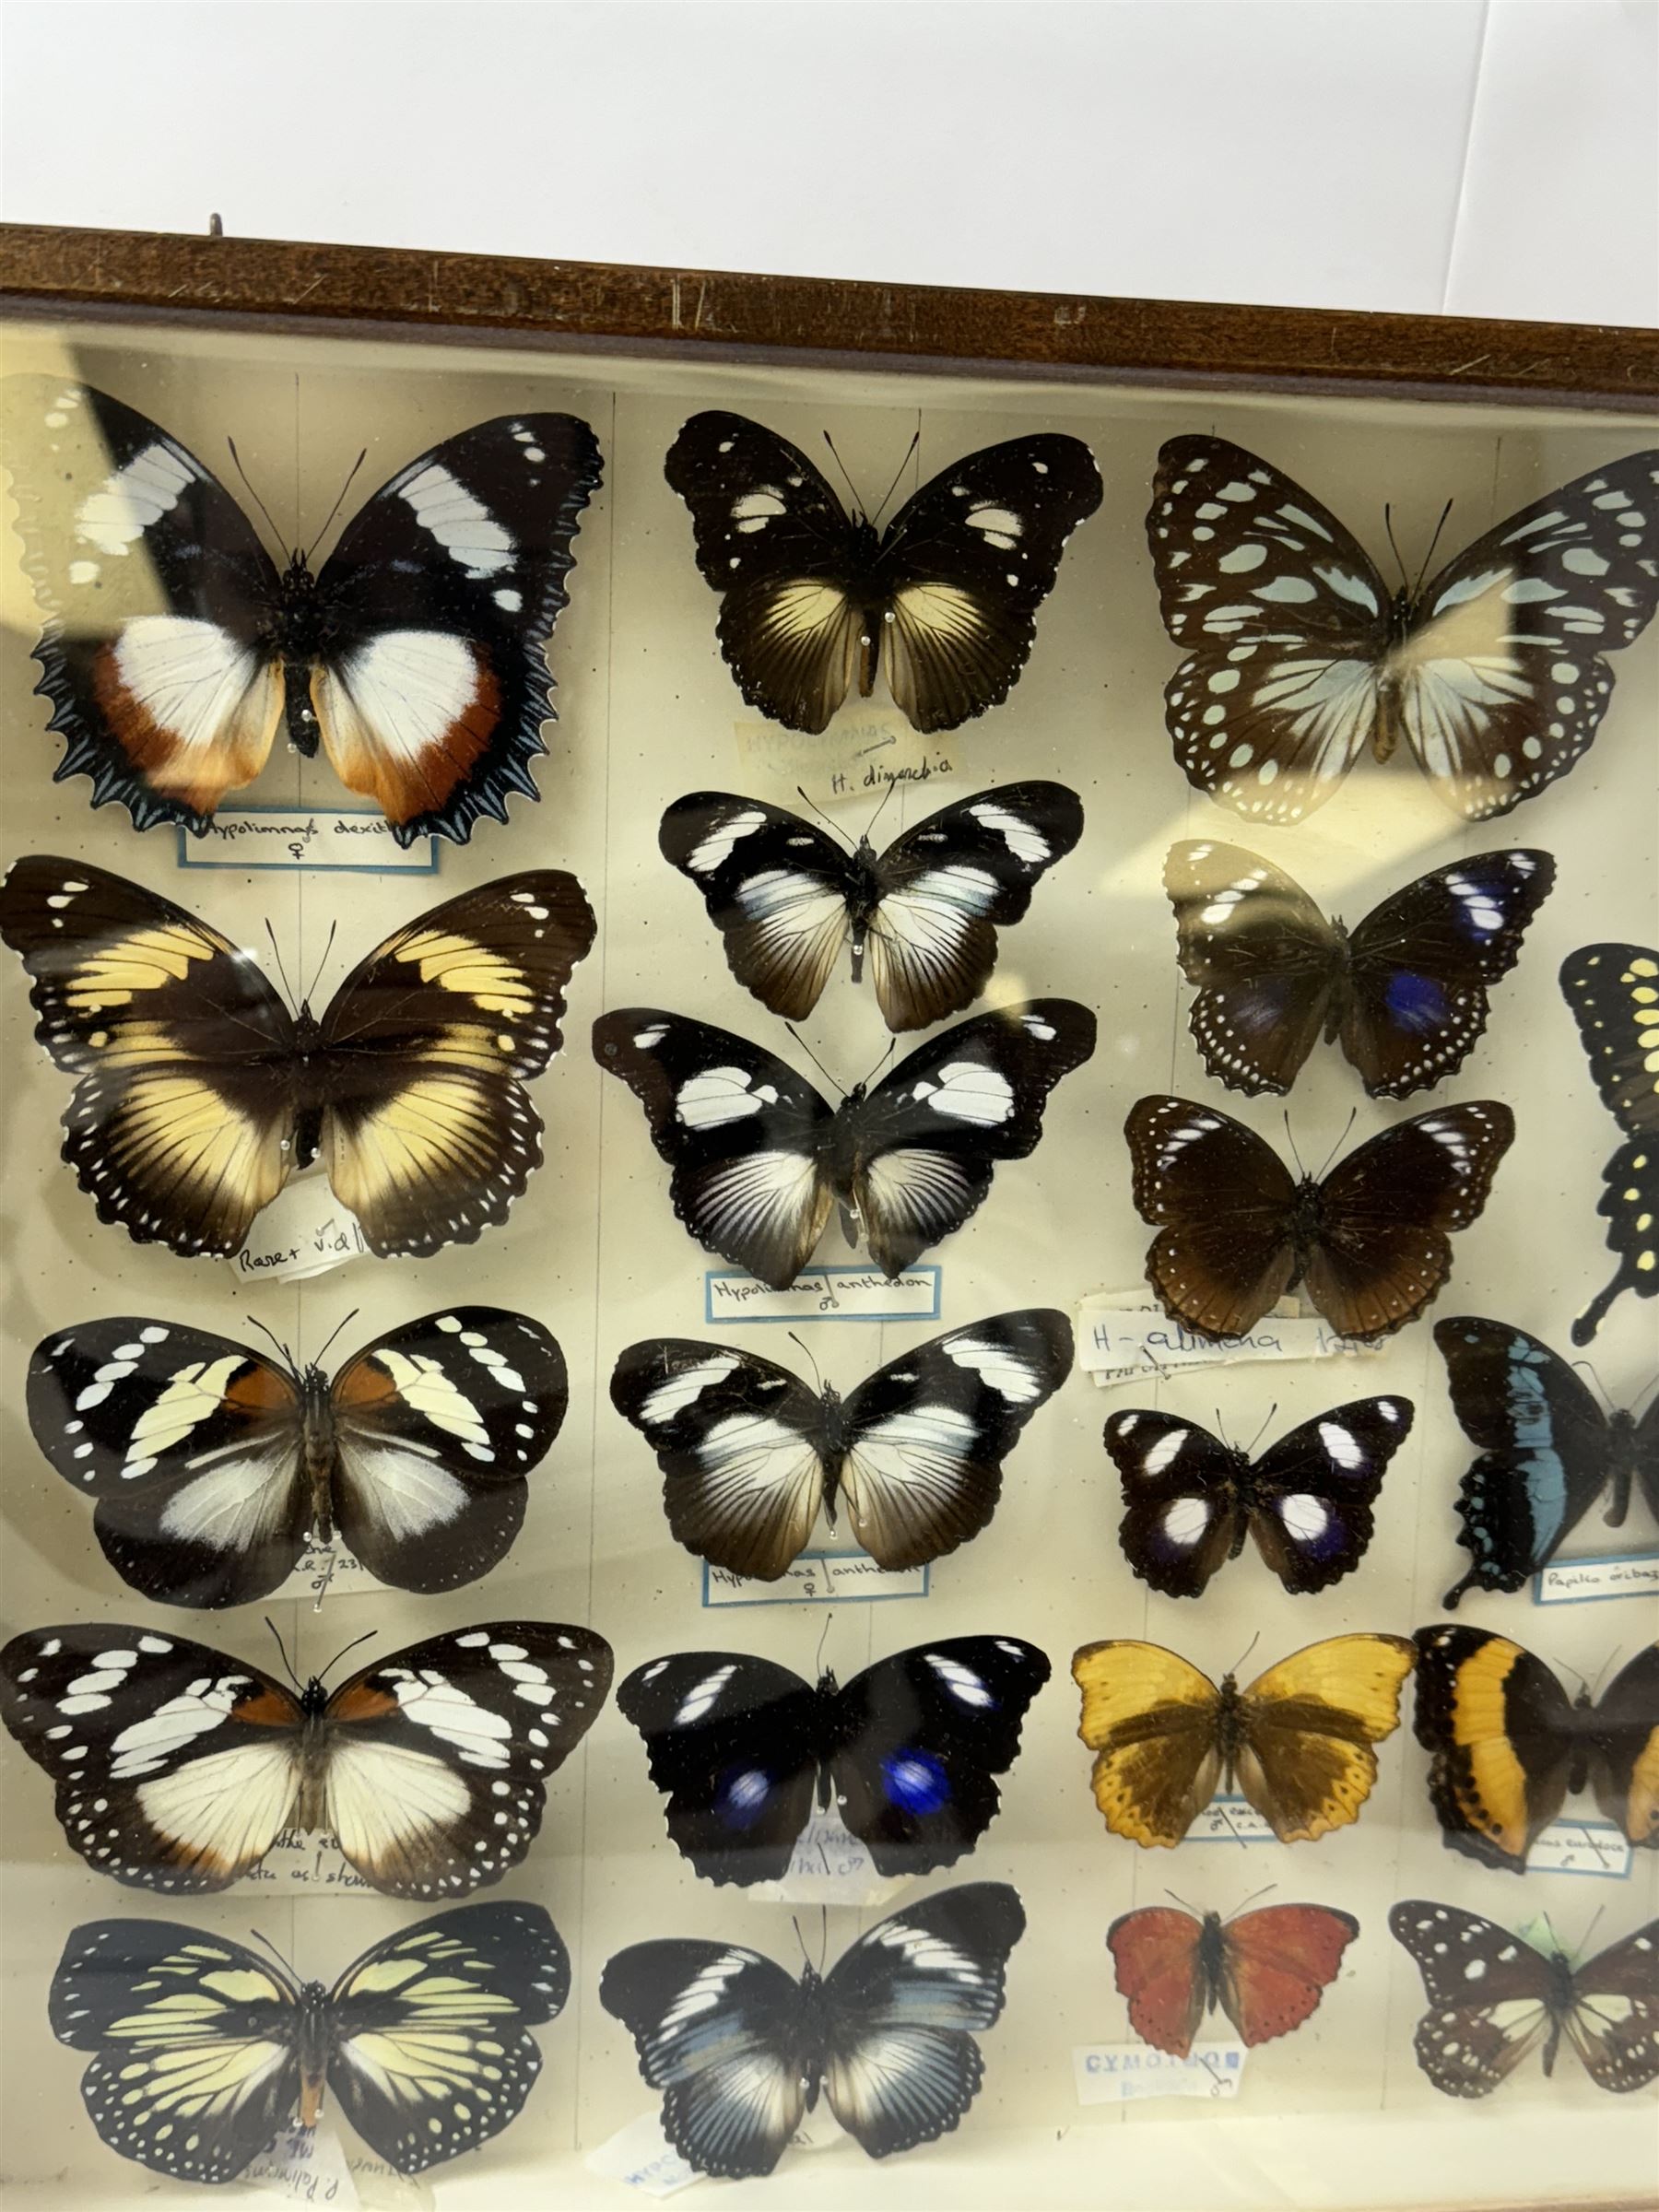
(1310, 1494)
(1384, 1249)
(1284, 619)
(1613, 991)
(920, 1738)
(1263, 960)
(437, 605)
(1220, 1200)
(1624, 1772)
(734, 1745)
(181, 1126)
(1613, 2021)
(1151, 1719)
(194, 2040)
(1276, 1964)
(926, 1435)
(1181, 1508)
(1499, 1727)
(160, 602)
(176, 1767)
(779, 891)
(1420, 966)
(742, 1132)
(721, 2030)
(964, 566)
(1544, 1449)
(901, 2006)
(1157, 1961)
(436, 1425)
(947, 886)
(1499, 684)
(438, 1757)
(1309, 1725)
(926, 1141)
(428, 1135)
(190, 1447)
(1473, 1969)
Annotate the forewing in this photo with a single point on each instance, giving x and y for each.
(1262, 959)
(1613, 2023)
(1309, 1725)
(1156, 1958)
(1150, 1719)
(1499, 1727)
(1472, 1968)
(1624, 1773)
(1220, 1200)
(1182, 1508)
(776, 889)
(1276, 1964)
(1612, 992)
(1310, 1494)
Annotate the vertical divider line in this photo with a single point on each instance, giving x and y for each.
(1463, 172)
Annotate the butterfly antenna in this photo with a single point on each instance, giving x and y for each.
(276, 956)
(805, 1954)
(1244, 1654)
(1589, 1369)
(886, 796)
(367, 1636)
(281, 1957)
(1255, 1440)
(288, 1357)
(1393, 547)
(818, 1663)
(258, 502)
(1652, 1384)
(335, 508)
(323, 961)
(1337, 1147)
(816, 1377)
(858, 505)
(819, 812)
(322, 1349)
(887, 495)
(287, 1663)
(823, 1937)
(1184, 1906)
(813, 1057)
(1593, 1688)
(1290, 1140)
(1583, 1943)
(891, 1048)
(1427, 557)
(1266, 1890)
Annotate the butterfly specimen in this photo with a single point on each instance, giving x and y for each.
(1298, 656)
(1406, 992)
(910, 1750)
(1367, 1242)
(814, 600)
(1495, 1998)
(1267, 1970)
(197, 1094)
(750, 1456)
(1509, 1746)
(1546, 1450)
(1190, 1499)
(177, 1766)
(175, 648)
(1297, 1741)
(203, 2049)
(213, 1467)
(786, 898)
(1613, 991)
(742, 2050)
(759, 1159)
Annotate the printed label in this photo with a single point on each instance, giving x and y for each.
(823, 1294)
(304, 1230)
(1229, 1820)
(641, 2158)
(1567, 1581)
(358, 839)
(308, 2166)
(1581, 1847)
(854, 763)
(1121, 1338)
(817, 1578)
(304, 1862)
(830, 1867)
(1127, 2073)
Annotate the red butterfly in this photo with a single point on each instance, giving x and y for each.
(1266, 1969)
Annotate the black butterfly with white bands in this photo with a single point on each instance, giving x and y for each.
(1546, 1450)
(1613, 992)
(177, 1766)
(212, 1466)
(1190, 1500)
(759, 1159)
(175, 648)
(749, 1454)
(1494, 1998)
(1367, 1242)
(786, 898)
(197, 1094)
(742, 2050)
(1299, 657)
(814, 601)
(204, 2049)
(909, 1748)
(1406, 992)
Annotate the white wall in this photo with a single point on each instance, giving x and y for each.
(1492, 156)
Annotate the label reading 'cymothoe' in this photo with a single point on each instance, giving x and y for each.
(855, 762)
(304, 1230)
(1123, 1338)
(1591, 1846)
(828, 1866)
(308, 2166)
(730, 1297)
(358, 839)
(1571, 1582)
(817, 1578)
(1128, 2073)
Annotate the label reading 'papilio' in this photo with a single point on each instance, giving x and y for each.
(855, 762)
(1570, 1582)
(817, 1578)
(1123, 1338)
(731, 1298)
(304, 1230)
(1591, 1846)
(1129, 2073)
(355, 838)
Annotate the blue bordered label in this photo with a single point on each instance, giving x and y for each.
(819, 1578)
(352, 841)
(1594, 1582)
(733, 1299)
(1592, 1847)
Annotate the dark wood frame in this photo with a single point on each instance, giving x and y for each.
(594, 307)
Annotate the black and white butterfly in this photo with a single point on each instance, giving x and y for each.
(1299, 657)
(204, 2049)
(213, 1467)
(1613, 991)
(1546, 1450)
(177, 1766)
(1367, 1242)
(1190, 1500)
(198, 1094)
(909, 1748)
(742, 2050)
(759, 1159)
(1406, 991)
(786, 898)
(814, 600)
(1494, 1998)
(175, 648)
(750, 1456)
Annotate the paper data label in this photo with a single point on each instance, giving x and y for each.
(730, 1297)
(1129, 2073)
(641, 2158)
(1581, 1847)
(358, 839)
(304, 1862)
(1121, 1338)
(318, 1571)
(855, 762)
(830, 1867)
(817, 1578)
(304, 1230)
(308, 2166)
(1568, 1581)
(1229, 1820)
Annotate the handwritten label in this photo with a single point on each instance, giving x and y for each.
(1229, 1820)
(318, 1571)
(1567, 1581)
(1127, 2073)
(854, 763)
(830, 1867)
(308, 2166)
(358, 839)
(1121, 1338)
(304, 1230)
(823, 1294)
(1581, 1847)
(303, 1863)
(817, 1578)
(641, 2158)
